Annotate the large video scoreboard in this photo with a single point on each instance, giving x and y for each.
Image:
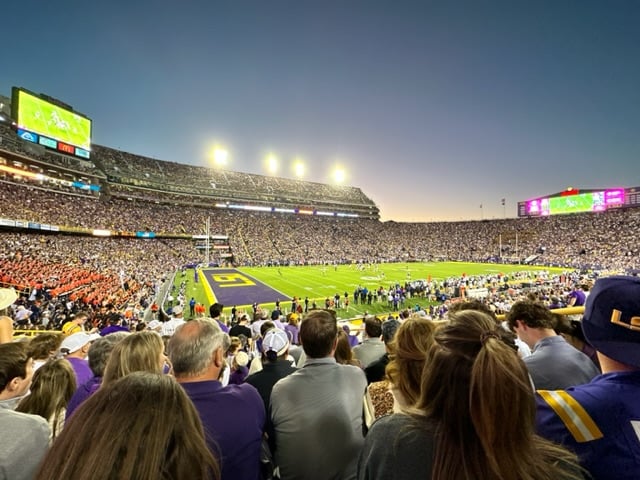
(51, 125)
(575, 201)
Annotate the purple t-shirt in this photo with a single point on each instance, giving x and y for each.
(233, 417)
(238, 376)
(223, 326)
(579, 296)
(293, 331)
(81, 369)
(83, 392)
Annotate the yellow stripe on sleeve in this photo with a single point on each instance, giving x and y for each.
(576, 419)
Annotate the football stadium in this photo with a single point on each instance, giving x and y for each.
(100, 243)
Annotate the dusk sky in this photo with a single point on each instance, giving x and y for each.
(432, 107)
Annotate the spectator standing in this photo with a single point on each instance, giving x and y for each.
(233, 416)
(75, 325)
(317, 410)
(139, 426)
(553, 363)
(372, 347)
(169, 327)
(51, 389)
(25, 438)
(75, 349)
(455, 430)
(215, 311)
(375, 371)
(600, 420)
(292, 328)
(98, 356)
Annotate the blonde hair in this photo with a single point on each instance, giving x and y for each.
(408, 352)
(140, 351)
(52, 387)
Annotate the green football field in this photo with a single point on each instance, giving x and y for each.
(318, 283)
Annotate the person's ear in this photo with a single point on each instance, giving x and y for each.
(14, 384)
(218, 358)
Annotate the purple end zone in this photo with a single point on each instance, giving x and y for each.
(234, 288)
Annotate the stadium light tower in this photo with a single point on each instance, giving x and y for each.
(272, 164)
(299, 168)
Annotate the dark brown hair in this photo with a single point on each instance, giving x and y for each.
(13, 362)
(343, 353)
(533, 314)
(140, 426)
(41, 346)
(469, 372)
(318, 332)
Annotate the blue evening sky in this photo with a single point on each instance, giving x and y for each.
(433, 107)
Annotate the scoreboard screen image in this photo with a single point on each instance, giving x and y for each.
(51, 125)
(597, 201)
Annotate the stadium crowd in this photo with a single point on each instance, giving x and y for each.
(396, 405)
(259, 405)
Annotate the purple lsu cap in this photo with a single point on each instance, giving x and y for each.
(611, 322)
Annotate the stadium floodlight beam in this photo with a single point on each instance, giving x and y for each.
(272, 164)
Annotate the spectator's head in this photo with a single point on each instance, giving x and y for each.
(140, 426)
(343, 353)
(78, 344)
(266, 326)
(469, 371)
(319, 333)
(101, 349)
(177, 311)
(16, 370)
(80, 318)
(408, 352)
(275, 344)
(114, 319)
(215, 310)
(292, 319)
(389, 329)
(372, 327)
(611, 321)
(52, 387)
(197, 350)
(240, 359)
(506, 336)
(530, 314)
(138, 352)
(45, 345)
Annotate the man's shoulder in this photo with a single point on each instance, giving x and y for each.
(12, 419)
(244, 391)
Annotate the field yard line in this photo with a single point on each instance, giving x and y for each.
(208, 290)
